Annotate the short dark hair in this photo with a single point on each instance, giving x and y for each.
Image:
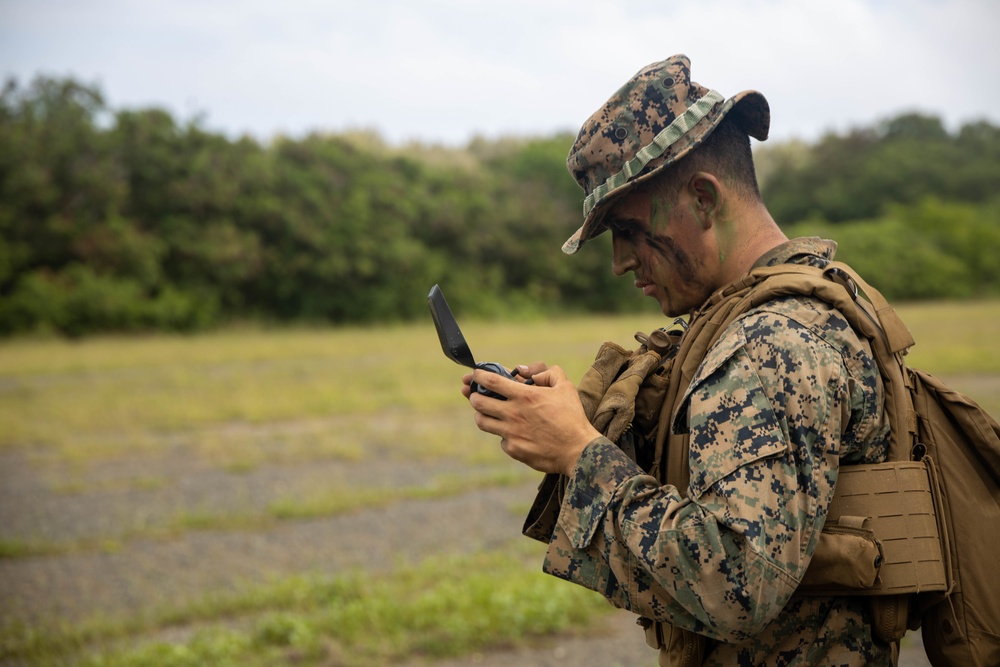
(726, 153)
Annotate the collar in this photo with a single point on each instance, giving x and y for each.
(804, 250)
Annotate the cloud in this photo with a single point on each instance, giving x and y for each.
(444, 70)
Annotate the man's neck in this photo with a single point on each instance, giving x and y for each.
(758, 234)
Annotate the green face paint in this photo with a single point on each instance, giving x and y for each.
(725, 230)
(659, 215)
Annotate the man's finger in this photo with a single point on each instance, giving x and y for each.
(550, 377)
(495, 382)
(530, 370)
(489, 424)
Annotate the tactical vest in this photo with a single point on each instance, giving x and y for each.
(886, 534)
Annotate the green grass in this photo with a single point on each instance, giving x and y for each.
(251, 397)
(241, 399)
(955, 338)
(444, 606)
(959, 342)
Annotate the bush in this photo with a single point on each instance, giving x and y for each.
(78, 301)
(931, 250)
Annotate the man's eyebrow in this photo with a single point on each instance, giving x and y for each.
(621, 224)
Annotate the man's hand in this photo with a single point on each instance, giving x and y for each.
(542, 425)
(522, 373)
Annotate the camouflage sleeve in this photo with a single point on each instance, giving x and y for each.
(766, 411)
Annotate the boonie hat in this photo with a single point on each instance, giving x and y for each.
(655, 119)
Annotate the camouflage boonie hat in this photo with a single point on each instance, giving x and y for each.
(656, 118)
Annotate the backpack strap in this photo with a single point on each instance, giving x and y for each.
(898, 337)
(837, 285)
(890, 340)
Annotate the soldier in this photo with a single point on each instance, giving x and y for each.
(787, 395)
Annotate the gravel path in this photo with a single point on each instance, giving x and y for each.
(130, 573)
(60, 502)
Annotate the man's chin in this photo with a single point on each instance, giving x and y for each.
(668, 309)
(673, 310)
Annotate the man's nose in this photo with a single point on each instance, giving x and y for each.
(622, 256)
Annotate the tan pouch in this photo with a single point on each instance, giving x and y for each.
(895, 502)
(847, 555)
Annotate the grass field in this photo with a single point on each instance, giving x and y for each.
(242, 401)
(108, 397)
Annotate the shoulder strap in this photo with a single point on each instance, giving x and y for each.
(838, 285)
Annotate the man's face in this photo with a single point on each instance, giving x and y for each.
(664, 245)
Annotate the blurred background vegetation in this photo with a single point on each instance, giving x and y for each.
(128, 220)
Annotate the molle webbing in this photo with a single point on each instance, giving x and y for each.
(882, 536)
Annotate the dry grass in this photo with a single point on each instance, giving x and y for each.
(251, 397)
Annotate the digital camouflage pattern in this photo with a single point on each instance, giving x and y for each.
(787, 395)
(657, 117)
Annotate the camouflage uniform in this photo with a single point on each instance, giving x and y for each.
(786, 395)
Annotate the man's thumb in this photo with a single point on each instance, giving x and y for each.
(549, 377)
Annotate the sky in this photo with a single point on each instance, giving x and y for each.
(446, 71)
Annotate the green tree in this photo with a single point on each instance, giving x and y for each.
(130, 220)
(901, 160)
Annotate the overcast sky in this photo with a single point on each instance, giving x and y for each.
(446, 70)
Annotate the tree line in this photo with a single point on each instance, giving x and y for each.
(126, 220)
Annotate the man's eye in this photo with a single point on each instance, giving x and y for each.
(624, 231)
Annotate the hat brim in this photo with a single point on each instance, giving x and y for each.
(751, 112)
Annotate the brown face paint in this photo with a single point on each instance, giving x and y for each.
(665, 246)
(660, 214)
(685, 268)
(668, 249)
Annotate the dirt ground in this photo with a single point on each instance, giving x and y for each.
(119, 574)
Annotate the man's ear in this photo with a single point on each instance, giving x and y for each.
(707, 197)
